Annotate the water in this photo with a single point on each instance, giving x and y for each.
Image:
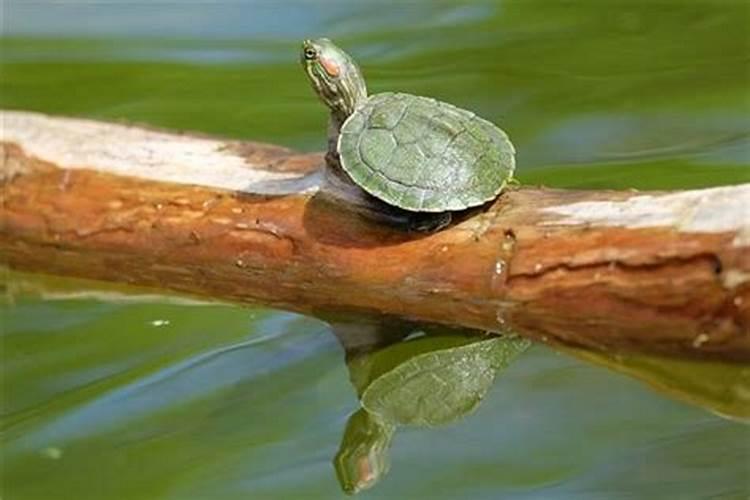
(113, 395)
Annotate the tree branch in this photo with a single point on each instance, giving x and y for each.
(247, 222)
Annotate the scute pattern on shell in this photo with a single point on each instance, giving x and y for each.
(423, 155)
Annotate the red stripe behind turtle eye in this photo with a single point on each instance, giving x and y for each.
(330, 66)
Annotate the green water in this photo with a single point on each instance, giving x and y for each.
(106, 394)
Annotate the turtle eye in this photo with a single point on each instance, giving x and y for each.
(310, 53)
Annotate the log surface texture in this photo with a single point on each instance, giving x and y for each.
(657, 272)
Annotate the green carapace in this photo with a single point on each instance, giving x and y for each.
(414, 153)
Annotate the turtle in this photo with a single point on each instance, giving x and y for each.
(420, 158)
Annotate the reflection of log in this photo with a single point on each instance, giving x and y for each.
(245, 222)
(723, 388)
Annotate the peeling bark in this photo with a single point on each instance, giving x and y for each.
(658, 272)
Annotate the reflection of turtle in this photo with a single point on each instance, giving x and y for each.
(363, 455)
(428, 381)
(411, 152)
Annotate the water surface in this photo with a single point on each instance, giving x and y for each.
(106, 395)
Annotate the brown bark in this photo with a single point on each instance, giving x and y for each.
(514, 265)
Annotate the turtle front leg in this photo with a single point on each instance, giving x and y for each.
(429, 222)
(418, 222)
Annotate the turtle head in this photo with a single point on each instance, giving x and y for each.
(334, 76)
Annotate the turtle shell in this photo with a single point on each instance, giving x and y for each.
(424, 155)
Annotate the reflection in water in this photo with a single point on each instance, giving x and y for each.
(651, 95)
(223, 402)
(363, 458)
(407, 374)
(722, 388)
(435, 376)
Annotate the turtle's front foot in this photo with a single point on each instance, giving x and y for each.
(429, 222)
(421, 222)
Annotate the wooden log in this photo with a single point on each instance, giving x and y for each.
(656, 272)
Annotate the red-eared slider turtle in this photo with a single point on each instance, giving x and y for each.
(413, 153)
